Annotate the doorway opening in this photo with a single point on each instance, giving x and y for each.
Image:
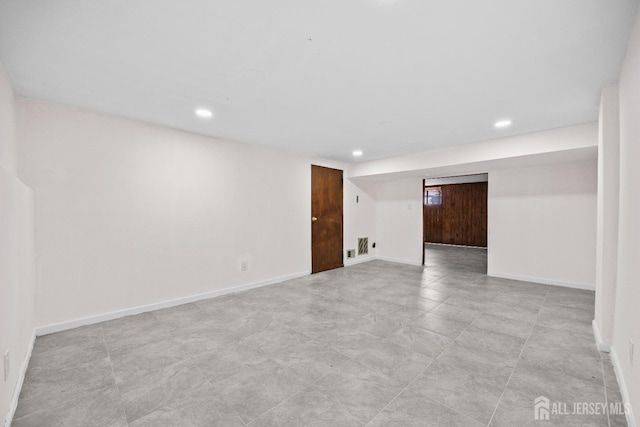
(455, 214)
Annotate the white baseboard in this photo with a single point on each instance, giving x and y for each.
(542, 281)
(400, 261)
(617, 368)
(103, 317)
(23, 371)
(358, 260)
(602, 346)
(90, 320)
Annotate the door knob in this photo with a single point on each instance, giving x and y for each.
(314, 219)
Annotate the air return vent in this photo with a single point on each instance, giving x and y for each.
(363, 245)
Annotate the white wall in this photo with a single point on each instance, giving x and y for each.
(542, 223)
(607, 213)
(627, 315)
(399, 183)
(8, 138)
(359, 217)
(129, 214)
(17, 268)
(399, 220)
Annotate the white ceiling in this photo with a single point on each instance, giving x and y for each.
(325, 77)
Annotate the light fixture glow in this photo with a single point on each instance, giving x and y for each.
(204, 113)
(502, 123)
(357, 153)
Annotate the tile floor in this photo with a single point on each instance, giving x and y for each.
(376, 344)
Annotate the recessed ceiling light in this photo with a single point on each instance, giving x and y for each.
(502, 123)
(357, 153)
(204, 113)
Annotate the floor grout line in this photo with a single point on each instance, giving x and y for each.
(604, 384)
(211, 383)
(435, 359)
(518, 360)
(399, 393)
(277, 405)
(313, 385)
(113, 374)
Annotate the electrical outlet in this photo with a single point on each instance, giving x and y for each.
(244, 265)
(7, 367)
(631, 352)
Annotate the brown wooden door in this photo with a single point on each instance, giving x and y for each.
(326, 218)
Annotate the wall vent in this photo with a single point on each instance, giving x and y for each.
(363, 245)
(351, 253)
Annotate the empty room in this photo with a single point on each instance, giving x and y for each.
(286, 213)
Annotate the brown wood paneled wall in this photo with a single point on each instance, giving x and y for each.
(461, 219)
